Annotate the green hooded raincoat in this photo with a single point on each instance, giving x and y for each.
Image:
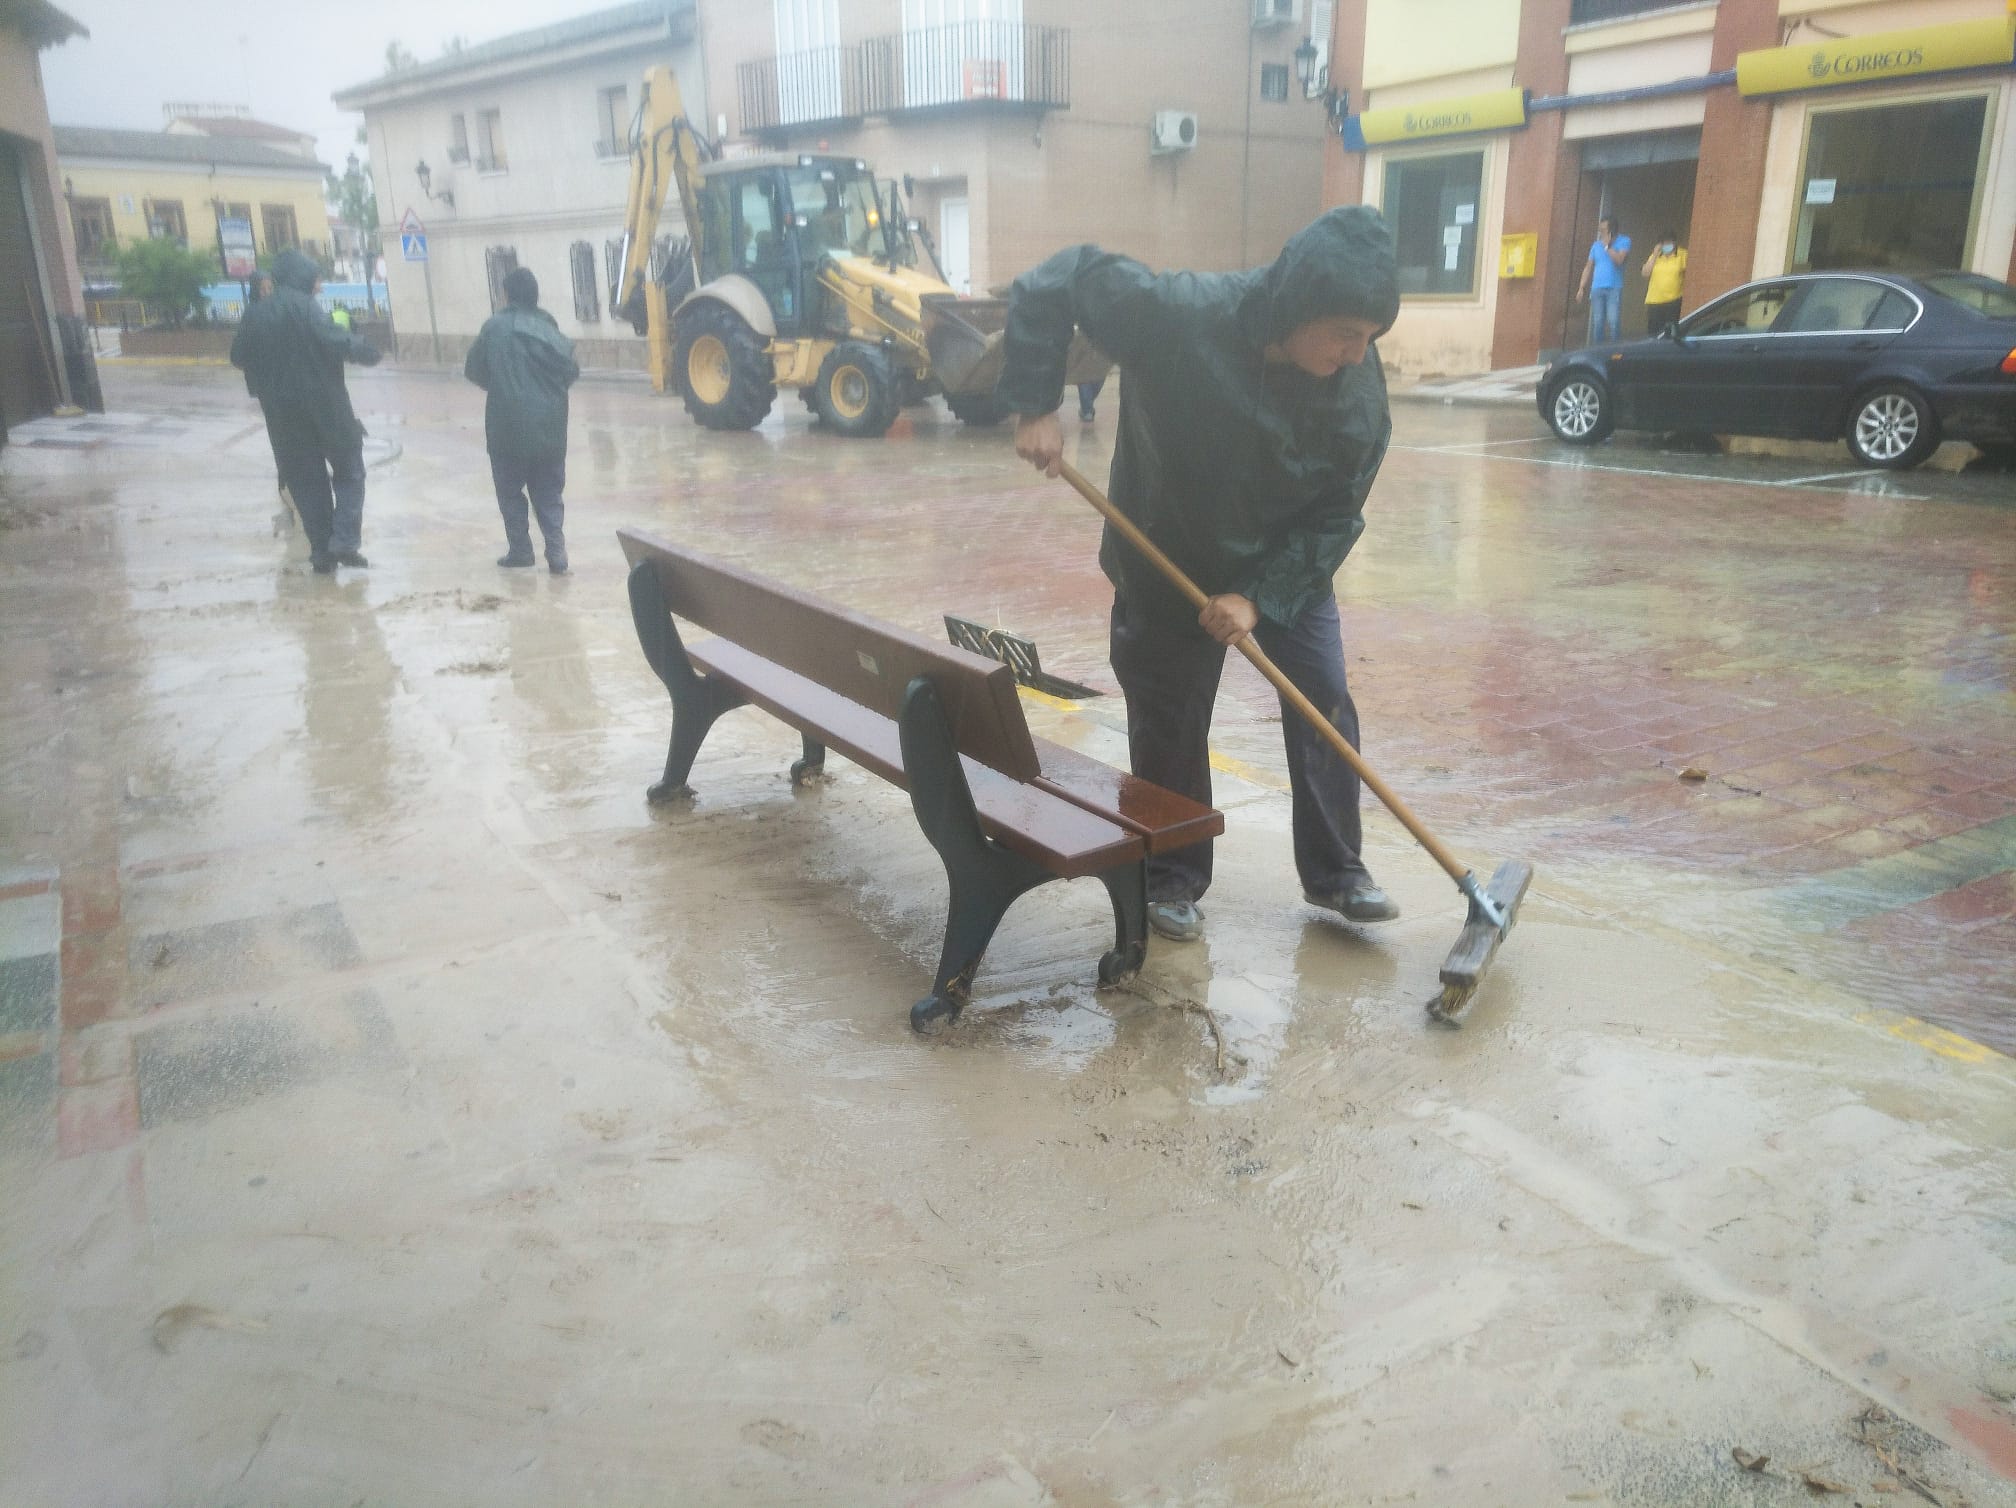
(1251, 477)
(525, 366)
(292, 355)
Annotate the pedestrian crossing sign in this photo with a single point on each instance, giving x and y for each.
(412, 238)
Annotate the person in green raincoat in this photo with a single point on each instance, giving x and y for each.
(525, 366)
(1253, 421)
(292, 356)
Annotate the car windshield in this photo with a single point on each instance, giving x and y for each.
(838, 209)
(1982, 295)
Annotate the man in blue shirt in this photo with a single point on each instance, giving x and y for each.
(1603, 281)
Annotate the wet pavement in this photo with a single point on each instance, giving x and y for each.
(393, 1107)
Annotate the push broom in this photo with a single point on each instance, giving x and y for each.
(1493, 907)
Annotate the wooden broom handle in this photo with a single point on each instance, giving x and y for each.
(1451, 865)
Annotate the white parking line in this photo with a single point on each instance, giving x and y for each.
(1477, 445)
(1681, 476)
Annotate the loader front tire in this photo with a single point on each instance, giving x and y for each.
(722, 368)
(857, 393)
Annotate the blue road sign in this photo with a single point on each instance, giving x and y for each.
(413, 247)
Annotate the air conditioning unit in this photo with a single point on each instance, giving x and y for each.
(1172, 131)
(1268, 14)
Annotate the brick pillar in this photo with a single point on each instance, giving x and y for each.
(1532, 182)
(1344, 172)
(1729, 182)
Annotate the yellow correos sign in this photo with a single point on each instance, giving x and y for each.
(1877, 56)
(1499, 110)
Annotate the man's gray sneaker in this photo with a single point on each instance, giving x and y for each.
(1361, 903)
(1179, 921)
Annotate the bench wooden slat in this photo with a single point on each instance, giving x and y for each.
(1165, 820)
(861, 659)
(1037, 823)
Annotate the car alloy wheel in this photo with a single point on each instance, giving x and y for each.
(1887, 427)
(1578, 408)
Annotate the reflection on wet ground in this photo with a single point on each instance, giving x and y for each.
(391, 1103)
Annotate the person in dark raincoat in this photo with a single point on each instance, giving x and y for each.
(525, 366)
(292, 357)
(1253, 420)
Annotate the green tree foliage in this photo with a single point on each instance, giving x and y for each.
(167, 276)
(353, 196)
(397, 58)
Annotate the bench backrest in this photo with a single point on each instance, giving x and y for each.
(864, 660)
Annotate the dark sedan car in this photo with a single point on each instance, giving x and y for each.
(1890, 363)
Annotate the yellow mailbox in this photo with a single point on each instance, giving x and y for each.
(1518, 254)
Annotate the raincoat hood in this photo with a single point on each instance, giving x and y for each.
(293, 269)
(1339, 264)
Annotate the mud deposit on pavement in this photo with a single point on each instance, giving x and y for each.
(395, 1107)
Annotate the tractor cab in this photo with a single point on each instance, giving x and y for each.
(773, 219)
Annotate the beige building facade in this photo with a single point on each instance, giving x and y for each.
(39, 282)
(125, 186)
(1178, 132)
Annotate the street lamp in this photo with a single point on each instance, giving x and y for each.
(1316, 82)
(426, 176)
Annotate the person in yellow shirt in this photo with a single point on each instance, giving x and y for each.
(1664, 270)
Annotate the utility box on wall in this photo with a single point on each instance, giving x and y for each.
(1172, 131)
(1518, 255)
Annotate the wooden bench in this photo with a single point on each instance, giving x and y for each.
(1006, 811)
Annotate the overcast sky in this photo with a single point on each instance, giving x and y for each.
(282, 60)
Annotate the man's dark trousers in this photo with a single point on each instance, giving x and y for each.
(1168, 668)
(545, 478)
(325, 481)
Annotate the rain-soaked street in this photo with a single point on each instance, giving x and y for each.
(395, 1108)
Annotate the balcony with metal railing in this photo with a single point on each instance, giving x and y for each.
(1582, 12)
(968, 65)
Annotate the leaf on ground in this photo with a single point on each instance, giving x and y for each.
(1818, 1485)
(1748, 1460)
(1693, 772)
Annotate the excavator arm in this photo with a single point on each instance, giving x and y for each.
(666, 154)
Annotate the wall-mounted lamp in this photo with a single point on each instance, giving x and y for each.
(426, 176)
(1315, 82)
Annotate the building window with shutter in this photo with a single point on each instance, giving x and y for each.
(278, 223)
(458, 138)
(490, 142)
(165, 221)
(91, 223)
(581, 263)
(612, 116)
(1274, 81)
(497, 262)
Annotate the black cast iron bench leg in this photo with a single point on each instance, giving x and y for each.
(1128, 887)
(808, 769)
(697, 700)
(985, 879)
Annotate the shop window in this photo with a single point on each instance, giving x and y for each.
(1274, 81)
(497, 262)
(165, 221)
(581, 264)
(612, 114)
(490, 142)
(1749, 313)
(1890, 186)
(277, 220)
(1431, 205)
(91, 223)
(458, 138)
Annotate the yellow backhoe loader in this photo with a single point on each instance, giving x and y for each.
(801, 273)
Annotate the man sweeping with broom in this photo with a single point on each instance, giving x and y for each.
(1253, 420)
